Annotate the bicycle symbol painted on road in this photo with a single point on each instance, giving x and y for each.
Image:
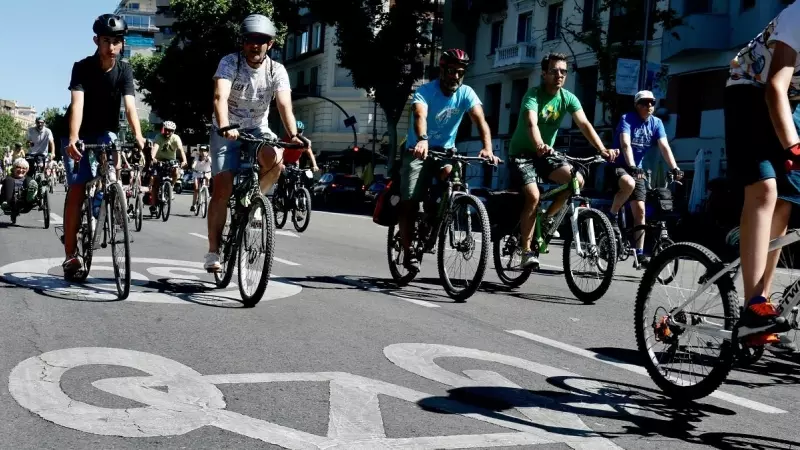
(179, 400)
(167, 281)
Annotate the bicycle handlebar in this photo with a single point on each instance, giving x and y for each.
(246, 137)
(451, 154)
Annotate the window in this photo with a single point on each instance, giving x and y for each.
(497, 36)
(133, 5)
(312, 79)
(301, 78)
(317, 36)
(492, 106)
(341, 77)
(524, 25)
(590, 8)
(748, 4)
(696, 7)
(302, 43)
(290, 47)
(689, 96)
(554, 21)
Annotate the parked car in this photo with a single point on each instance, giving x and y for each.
(339, 188)
(371, 193)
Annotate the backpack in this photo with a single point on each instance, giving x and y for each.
(387, 205)
(660, 200)
(504, 209)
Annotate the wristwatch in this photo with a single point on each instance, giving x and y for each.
(424, 137)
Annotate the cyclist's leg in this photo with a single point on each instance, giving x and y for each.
(224, 156)
(196, 189)
(780, 222)
(638, 197)
(413, 184)
(523, 176)
(624, 185)
(558, 171)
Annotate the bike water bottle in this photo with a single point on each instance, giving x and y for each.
(98, 199)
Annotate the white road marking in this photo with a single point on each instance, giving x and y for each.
(286, 233)
(418, 302)
(750, 404)
(274, 258)
(357, 216)
(177, 400)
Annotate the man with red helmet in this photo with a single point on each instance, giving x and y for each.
(438, 107)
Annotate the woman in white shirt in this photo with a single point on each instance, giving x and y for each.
(202, 169)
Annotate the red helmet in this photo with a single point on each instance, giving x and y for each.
(454, 56)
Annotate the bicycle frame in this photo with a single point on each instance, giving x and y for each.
(454, 188)
(544, 241)
(785, 307)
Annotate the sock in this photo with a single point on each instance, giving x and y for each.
(639, 251)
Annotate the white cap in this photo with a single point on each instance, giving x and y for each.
(644, 94)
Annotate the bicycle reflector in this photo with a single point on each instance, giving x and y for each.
(355, 148)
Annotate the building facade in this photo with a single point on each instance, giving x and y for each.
(25, 115)
(140, 17)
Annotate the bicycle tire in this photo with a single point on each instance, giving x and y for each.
(462, 295)
(266, 244)
(279, 208)
(610, 252)
(167, 204)
(228, 245)
(512, 282)
(204, 204)
(46, 209)
(661, 244)
(302, 192)
(196, 205)
(85, 240)
(730, 307)
(393, 242)
(117, 216)
(138, 212)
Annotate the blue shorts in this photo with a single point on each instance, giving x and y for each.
(224, 153)
(85, 172)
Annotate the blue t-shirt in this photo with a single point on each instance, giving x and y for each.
(444, 113)
(644, 136)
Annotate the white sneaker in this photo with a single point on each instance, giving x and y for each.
(212, 263)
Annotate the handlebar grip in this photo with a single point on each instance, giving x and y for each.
(305, 140)
(222, 131)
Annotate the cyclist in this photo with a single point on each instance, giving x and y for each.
(18, 152)
(202, 169)
(18, 180)
(761, 134)
(7, 162)
(531, 148)
(637, 132)
(438, 107)
(245, 84)
(40, 140)
(166, 147)
(292, 156)
(99, 84)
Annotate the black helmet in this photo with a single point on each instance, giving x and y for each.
(110, 25)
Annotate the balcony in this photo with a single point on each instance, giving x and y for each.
(163, 20)
(163, 3)
(520, 56)
(307, 89)
(697, 34)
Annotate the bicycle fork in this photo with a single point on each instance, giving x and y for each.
(576, 236)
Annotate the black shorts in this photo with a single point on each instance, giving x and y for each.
(612, 176)
(753, 149)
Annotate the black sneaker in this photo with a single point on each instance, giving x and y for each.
(411, 264)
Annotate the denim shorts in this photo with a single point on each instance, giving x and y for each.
(86, 172)
(224, 153)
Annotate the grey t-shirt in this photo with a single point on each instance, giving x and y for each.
(40, 140)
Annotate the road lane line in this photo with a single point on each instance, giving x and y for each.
(418, 302)
(357, 216)
(274, 258)
(730, 398)
(286, 233)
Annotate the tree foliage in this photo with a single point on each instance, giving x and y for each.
(145, 126)
(10, 131)
(178, 84)
(56, 120)
(382, 47)
(622, 38)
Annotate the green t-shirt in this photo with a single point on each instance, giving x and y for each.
(168, 148)
(551, 110)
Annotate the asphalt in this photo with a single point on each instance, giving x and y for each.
(337, 356)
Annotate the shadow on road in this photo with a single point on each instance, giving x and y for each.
(372, 284)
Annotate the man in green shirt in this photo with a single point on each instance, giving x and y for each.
(167, 147)
(531, 149)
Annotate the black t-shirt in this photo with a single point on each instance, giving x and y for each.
(102, 93)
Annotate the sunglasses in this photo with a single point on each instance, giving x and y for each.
(259, 39)
(454, 71)
(557, 71)
(647, 102)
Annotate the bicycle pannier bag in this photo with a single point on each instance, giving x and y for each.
(387, 205)
(660, 199)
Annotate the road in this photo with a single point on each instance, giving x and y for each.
(337, 356)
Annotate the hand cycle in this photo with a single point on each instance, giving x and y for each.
(708, 305)
(20, 204)
(291, 196)
(201, 205)
(111, 223)
(453, 217)
(163, 174)
(250, 231)
(588, 245)
(655, 226)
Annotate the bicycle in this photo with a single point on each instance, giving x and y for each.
(292, 196)
(134, 191)
(248, 208)
(437, 222)
(655, 225)
(595, 247)
(201, 204)
(111, 215)
(161, 170)
(675, 325)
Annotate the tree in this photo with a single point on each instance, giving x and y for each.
(10, 131)
(144, 124)
(383, 48)
(56, 120)
(178, 84)
(620, 39)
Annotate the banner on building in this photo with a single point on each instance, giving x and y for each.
(627, 79)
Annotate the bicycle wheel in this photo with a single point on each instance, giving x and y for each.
(589, 282)
(280, 210)
(117, 218)
(656, 324)
(166, 205)
(85, 240)
(227, 249)
(301, 212)
(197, 204)
(204, 202)
(466, 218)
(507, 252)
(138, 212)
(256, 246)
(394, 253)
(668, 274)
(46, 209)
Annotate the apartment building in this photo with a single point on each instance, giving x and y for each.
(164, 19)
(140, 17)
(25, 115)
